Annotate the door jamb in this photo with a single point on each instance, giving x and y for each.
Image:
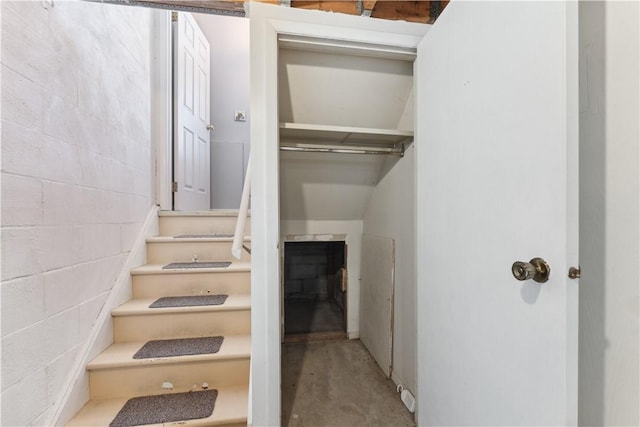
(162, 107)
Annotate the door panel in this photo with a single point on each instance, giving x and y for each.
(191, 115)
(376, 298)
(496, 141)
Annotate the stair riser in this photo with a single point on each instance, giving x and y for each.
(160, 285)
(181, 325)
(176, 225)
(164, 253)
(142, 381)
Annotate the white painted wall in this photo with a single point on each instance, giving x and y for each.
(76, 183)
(326, 186)
(391, 213)
(353, 231)
(229, 40)
(609, 210)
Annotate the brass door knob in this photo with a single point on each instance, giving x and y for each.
(210, 127)
(536, 269)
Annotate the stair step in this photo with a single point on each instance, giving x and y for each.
(140, 307)
(230, 408)
(174, 223)
(170, 249)
(193, 238)
(114, 373)
(213, 213)
(120, 355)
(135, 321)
(163, 283)
(236, 266)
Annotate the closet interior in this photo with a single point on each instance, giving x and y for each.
(346, 113)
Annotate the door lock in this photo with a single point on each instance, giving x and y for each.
(536, 269)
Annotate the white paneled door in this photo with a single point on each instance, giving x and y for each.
(497, 183)
(192, 146)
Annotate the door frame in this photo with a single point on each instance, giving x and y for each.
(162, 106)
(302, 238)
(266, 25)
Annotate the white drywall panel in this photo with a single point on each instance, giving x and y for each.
(323, 187)
(610, 214)
(76, 167)
(309, 230)
(227, 174)
(228, 37)
(391, 213)
(376, 298)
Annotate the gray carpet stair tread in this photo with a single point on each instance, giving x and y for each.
(179, 347)
(166, 408)
(203, 264)
(189, 301)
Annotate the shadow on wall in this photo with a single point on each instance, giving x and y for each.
(593, 342)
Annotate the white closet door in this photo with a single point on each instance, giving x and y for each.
(497, 183)
(192, 75)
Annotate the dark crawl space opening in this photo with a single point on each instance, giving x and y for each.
(314, 287)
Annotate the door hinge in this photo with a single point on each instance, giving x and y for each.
(574, 273)
(174, 16)
(174, 187)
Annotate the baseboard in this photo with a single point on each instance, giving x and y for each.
(76, 390)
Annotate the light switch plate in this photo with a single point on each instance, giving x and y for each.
(240, 116)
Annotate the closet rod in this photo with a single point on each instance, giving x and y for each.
(343, 151)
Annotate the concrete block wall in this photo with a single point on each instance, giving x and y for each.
(75, 180)
(307, 269)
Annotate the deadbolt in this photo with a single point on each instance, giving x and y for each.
(536, 269)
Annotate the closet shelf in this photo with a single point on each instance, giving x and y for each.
(300, 133)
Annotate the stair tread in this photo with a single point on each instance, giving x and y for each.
(174, 239)
(121, 354)
(212, 213)
(141, 306)
(157, 269)
(231, 407)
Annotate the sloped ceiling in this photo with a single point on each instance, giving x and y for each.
(425, 11)
(342, 90)
(325, 186)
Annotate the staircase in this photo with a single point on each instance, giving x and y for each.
(115, 376)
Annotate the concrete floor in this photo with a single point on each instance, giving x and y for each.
(337, 383)
(312, 316)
